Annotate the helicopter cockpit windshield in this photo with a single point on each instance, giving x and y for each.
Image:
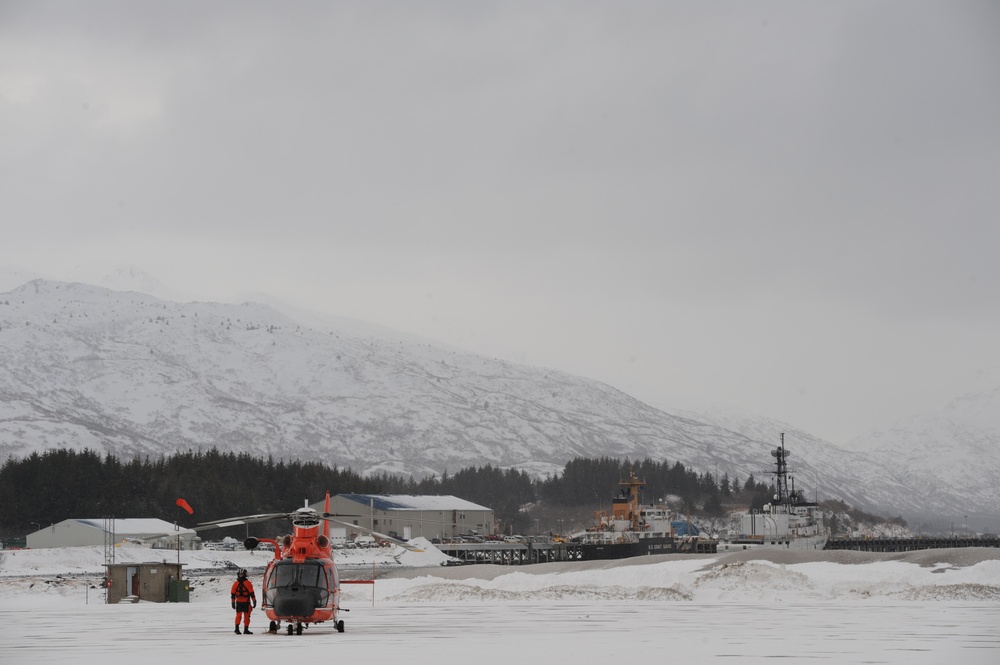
(310, 577)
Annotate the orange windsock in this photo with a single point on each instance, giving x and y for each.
(186, 506)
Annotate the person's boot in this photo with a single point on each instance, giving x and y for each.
(246, 630)
(237, 630)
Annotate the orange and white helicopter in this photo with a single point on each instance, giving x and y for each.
(301, 583)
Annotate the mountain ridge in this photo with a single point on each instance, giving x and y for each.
(132, 374)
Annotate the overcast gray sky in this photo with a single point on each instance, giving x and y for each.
(788, 207)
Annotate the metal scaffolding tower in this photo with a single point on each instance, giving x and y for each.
(109, 551)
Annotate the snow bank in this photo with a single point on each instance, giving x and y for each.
(405, 576)
(90, 560)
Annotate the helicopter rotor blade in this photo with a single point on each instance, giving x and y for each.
(246, 519)
(147, 537)
(300, 514)
(303, 513)
(391, 539)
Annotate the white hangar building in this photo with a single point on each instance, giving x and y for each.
(410, 516)
(81, 532)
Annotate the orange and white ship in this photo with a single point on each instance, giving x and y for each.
(635, 529)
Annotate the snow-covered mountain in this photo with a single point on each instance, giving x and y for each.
(951, 457)
(931, 468)
(130, 278)
(815, 465)
(13, 276)
(84, 366)
(121, 277)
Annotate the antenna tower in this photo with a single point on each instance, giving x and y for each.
(109, 551)
(780, 456)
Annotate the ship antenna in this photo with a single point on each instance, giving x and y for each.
(781, 473)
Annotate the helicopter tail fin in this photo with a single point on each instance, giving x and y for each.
(326, 511)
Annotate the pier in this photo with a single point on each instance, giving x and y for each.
(910, 544)
(519, 554)
(506, 554)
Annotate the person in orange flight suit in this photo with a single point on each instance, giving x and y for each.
(242, 596)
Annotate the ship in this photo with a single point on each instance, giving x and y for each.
(790, 521)
(633, 529)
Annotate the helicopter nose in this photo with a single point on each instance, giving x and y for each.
(294, 604)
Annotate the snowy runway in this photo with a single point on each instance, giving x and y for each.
(487, 633)
(931, 607)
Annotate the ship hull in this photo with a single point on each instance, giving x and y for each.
(643, 547)
(802, 543)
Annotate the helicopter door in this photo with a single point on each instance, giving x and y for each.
(269, 586)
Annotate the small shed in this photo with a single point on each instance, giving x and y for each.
(156, 582)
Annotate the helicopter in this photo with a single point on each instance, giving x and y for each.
(301, 583)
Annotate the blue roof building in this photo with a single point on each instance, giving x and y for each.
(410, 516)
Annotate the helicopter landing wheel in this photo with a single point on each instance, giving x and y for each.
(340, 626)
(290, 628)
(298, 629)
(272, 627)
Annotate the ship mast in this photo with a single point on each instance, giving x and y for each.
(781, 474)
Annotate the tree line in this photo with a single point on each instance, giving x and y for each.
(592, 481)
(46, 488)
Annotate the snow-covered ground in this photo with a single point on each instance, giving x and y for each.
(934, 606)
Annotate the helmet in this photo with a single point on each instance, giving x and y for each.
(242, 574)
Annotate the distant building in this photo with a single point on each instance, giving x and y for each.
(407, 516)
(81, 532)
